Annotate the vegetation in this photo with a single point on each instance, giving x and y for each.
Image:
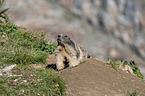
(18, 45)
(33, 82)
(132, 94)
(3, 15)
(132, 64)
(22, 47)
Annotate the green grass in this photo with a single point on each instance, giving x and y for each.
(3, 15)
(33, 82)
(132, 64)
(22, 47)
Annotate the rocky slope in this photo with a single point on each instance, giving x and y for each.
(124, 19)
(95, 78)
(108, 28)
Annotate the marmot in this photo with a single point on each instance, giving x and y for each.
(68, 53)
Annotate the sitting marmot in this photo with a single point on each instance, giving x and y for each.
(68, 54)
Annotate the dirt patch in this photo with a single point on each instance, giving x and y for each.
(94, 78)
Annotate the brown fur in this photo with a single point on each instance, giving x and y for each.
(68, 53)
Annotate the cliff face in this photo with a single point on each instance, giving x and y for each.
(108, 28)
(124, 19)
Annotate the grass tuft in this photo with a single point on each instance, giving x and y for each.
(132, 64)
(33, 82)
(21, 47)
(132, 94)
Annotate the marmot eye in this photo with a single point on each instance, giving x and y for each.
(66, 36)
(59, 36)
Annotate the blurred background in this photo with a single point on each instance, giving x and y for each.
(112, 29)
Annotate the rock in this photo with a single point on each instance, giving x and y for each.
(126, 68)
(8, 69)
(94, 78)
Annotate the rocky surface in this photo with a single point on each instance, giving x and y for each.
(95, 78)
(108, 28)
(123, 19)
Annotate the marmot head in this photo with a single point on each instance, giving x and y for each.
(63, 39)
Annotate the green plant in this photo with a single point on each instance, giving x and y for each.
(18, 45)
(114, 65)
(21, 46)
(3, 15)
(33, 82)
(135, 69)
(132, 64)
(132, 94)
(51, 47)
